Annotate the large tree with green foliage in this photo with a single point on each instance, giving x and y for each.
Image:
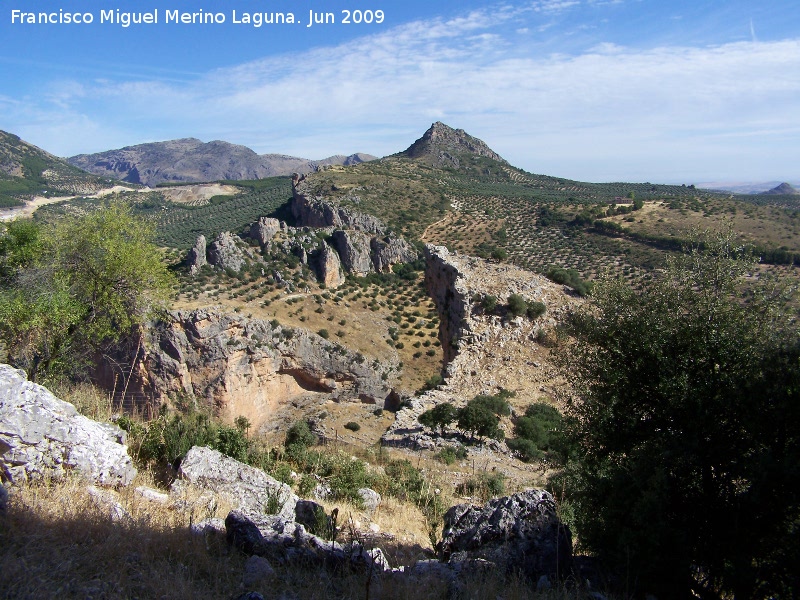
(70, 288)
(684, 404)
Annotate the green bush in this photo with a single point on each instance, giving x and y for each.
(300, 434)
(352, 426)
(323, 333)
(535, 310)
(489, 303)
(571, 278)
(684, 406)
(517, 305)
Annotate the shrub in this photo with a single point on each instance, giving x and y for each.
(489, 303)
(535, 310)
(352, 426)
(323, 333)
(300, 434)
(517, 305)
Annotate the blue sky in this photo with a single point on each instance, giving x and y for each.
(595, 90)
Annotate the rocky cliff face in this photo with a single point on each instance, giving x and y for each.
(225, 253)
(354, 249)
(483, 352)
(197, 255)
(310, 211)
(240, 366)
(264, 230)
(328, 267)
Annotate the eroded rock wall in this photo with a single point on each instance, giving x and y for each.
(241, 366)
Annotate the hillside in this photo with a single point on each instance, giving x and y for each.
(27, 171)
(191, 160)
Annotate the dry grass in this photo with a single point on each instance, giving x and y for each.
(56, 541)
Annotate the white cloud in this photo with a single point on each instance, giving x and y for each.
(609, 113)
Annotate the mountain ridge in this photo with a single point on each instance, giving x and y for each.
(190, 160)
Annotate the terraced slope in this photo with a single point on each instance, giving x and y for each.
(27, 171)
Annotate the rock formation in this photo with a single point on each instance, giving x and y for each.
(245, 487)
(224, 253)
(240, 366)
(328, 267)
(483, 352)
(310, 211)
(355, 251)
(42, 437)
(447, 286)
(445, 147)
(520, 533)
(197, 255)
(264, 230)
(391, 250)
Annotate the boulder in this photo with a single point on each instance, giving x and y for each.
(197, 255)
(282, 540)
(224, 253)
(391, 250)
(208, 528)
(371, 498)
(310, 514)
(43, 437)
(242, 485)
(328, 267)
(354, 250)
(264, 230)
(521, 533)
(257, 570)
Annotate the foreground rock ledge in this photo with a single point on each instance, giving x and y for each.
(43, 437)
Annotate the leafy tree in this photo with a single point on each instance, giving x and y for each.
(684, 407)
(70, 289)
(479, 417)
(438, 417)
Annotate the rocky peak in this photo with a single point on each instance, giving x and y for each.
(444, 146)
(782, 189)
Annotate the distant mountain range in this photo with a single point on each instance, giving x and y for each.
(747, 188)
(190, 160)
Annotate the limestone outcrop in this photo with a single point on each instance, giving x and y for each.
(197, 255)
(520, 533)
(236, 366)
(327, 266)
(224, 253)
(447, 285)
(483, 350)
(245, 487)
(264, 230)
(354, 249)
(311, 211)
(391, 250)
(43, 437)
